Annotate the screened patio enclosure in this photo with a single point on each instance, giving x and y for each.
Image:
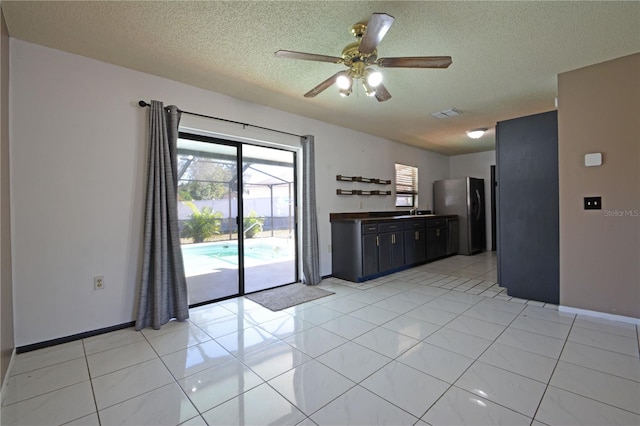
(236, 215)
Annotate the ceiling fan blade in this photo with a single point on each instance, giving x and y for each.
(324, 85)
(415, 62)
(382, 94)
(377, 27)
(289, 54)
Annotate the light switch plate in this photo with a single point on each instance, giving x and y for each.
(593, 159)
(592, 203)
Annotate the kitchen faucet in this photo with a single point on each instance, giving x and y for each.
(413, 212)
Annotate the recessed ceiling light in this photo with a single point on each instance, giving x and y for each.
(476, 133)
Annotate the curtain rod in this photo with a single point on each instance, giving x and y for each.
(145, 104)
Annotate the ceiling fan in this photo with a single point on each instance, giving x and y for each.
(360, 55)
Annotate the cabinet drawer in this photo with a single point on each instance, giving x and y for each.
(369, 228)
(414, 224)
(389, 226)
(436, 223)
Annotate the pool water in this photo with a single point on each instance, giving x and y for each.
(210, 249)
(204, 257)
(218, 250)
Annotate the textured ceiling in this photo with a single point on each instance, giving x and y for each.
(506, 55)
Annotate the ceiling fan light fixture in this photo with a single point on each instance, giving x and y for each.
(358, 56)
(373, 78)
(344, 82)
(370, 91)
(476, 133)
(345, 92)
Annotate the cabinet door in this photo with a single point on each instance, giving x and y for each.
(369, 254)
(442, 236)
(421, 246)
(397, 250)
(385, 251)
(431, 243)
(415, 246)
(390, 250)
(436, 243)
(410, 247)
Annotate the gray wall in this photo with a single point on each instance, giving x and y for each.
(6, 280)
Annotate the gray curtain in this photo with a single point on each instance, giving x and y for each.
(163, 287)
(310, 249)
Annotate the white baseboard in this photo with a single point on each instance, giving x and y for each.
(7, 375)
(597, 314)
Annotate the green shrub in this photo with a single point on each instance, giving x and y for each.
(252, 224)
(202, 224)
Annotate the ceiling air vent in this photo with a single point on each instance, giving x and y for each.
(446, 113)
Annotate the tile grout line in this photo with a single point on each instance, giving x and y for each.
(59, 389)
(467, 369)
(123, 368)
(175, 381)
(485, 349)
(477, 359)
(93, 391)
(386, 282)
(583, 396)
(358, 384)
(396, 358)
(554, 368)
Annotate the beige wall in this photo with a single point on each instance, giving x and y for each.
(6, 282)
(599, 111)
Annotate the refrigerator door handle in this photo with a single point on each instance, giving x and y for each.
(479, 204)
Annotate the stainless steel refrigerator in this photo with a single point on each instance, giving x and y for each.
(464, 198)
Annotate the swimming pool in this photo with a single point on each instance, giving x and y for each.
(206, 257)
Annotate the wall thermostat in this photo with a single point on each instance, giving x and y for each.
(593, 159)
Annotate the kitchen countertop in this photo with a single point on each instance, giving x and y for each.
(335, 217)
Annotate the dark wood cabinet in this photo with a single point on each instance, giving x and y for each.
(365, 249)
(390, 251)
(370, 254)
(415, 243)
(527, 207)
(390, 246)
(436, 236)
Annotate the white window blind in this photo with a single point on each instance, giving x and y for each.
(406, 185)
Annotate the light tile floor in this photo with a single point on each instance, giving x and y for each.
(440, 344)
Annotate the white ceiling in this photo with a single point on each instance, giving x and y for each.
(506, 55)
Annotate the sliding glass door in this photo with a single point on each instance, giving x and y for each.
(236, 211)
(269, 237)
(207, 210)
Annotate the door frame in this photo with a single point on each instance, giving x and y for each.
(240, 207)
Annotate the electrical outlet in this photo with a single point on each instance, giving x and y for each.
(98, 283)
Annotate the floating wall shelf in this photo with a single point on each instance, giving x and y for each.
(363, 179)
(360, 192)
(377, 181)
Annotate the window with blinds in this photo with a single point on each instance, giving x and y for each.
(406, 185)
